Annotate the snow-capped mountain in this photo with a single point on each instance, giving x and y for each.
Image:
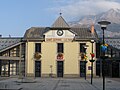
(112, 15)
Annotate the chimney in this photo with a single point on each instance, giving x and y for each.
(92, 29)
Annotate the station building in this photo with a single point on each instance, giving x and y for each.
(55, 51)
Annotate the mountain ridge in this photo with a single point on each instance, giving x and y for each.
(112, 15)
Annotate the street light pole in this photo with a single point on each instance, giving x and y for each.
(103, 62)
(103, 27)
(92, 55)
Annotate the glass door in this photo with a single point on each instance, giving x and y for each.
(60, 68)
(82, 68)
(37, 68)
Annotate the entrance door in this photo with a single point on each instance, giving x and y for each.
(60, 68)
(37, 68)
(82, 69)
(115, 69)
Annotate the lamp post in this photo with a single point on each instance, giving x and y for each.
(85, 47)
(92, 55)
(103, 27)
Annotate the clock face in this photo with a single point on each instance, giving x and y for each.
(60, 32)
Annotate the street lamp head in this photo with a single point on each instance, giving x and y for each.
(92, 41)
(104, 24)
(85, 46)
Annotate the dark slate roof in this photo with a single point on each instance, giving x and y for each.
(7, 42)
(35, 32)
(84, 33)
(38, 32)
(60, 22)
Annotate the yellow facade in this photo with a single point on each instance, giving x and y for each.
(71, 58)
(49, 58)
(30, 58)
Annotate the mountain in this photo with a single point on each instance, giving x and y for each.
(112, 15)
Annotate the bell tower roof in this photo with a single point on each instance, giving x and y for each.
(60, 22)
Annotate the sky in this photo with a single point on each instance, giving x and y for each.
(16, 16)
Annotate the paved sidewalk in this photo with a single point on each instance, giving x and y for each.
(4, 78)
(59, 84)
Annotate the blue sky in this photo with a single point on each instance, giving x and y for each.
(16, 16)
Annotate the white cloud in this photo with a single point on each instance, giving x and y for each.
(77, 8)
